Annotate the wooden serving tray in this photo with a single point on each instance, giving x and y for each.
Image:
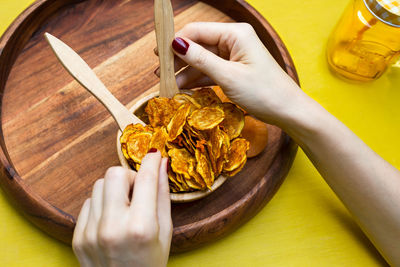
(57, 140)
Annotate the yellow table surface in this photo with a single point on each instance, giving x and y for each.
(304, 224)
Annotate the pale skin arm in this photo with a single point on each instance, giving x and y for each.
(232, 56)
(367, 184)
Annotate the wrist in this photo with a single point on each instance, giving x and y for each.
(302, 117)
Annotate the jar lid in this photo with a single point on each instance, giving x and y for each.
(387, 11)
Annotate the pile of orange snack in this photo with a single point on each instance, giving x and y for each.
(200, 135)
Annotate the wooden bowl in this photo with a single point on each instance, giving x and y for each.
(56, 139)
(175, 197)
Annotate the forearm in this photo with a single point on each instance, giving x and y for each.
(367, 185)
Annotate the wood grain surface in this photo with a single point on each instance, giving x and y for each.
(57, 139)
(86, 77)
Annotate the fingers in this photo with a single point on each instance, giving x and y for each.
(77, 240)
(164, 208)
(221, 36)
(85, 234)
(164, 202)
(96, 204)
(209, 33)
(178, 65)
(202, 59)
(118, 182)
(225, 36)
(145, 190)
(190, 78)
(95, 211)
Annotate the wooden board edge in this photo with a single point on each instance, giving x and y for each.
(24, 25)
(51, 219)
(38, 211)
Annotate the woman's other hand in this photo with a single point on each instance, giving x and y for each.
(232, 56)
(114, 229)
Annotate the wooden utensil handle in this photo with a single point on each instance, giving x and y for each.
(83, 74)
(164, 24)
(121, 114)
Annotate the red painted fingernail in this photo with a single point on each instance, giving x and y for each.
(180, 45)
(152, 150)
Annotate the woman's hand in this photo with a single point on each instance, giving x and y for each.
(116, 230)
(232, 56)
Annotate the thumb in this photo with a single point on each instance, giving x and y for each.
(202, 59)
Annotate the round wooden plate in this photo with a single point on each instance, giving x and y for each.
(57, 140)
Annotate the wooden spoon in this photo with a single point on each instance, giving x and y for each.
(164, 24)
(83, 74)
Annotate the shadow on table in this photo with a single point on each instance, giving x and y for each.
(347, 222)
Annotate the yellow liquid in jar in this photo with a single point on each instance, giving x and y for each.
(362, 47)
(360, 60)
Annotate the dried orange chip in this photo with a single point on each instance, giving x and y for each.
(193, 133)
(124, 152)
(234, 120)
(180, 161)
(175, 126)
(213, 162)
(138, 145)
(184, 98)
(173, 188)
(219, 165)
(237, 170)
(200, 145)
(173, 179)
(191, 140)
(236, 154)
(193, 184)
(204, 168)
(184, 183)
(159, 139)
(206, 118)
(187, 142)
(178, 178)
(218, 91)
(212, 147)
(178, 142)
(137, 166)
(132, 128)
(223, 152)
(206, 97)
(160, 111)
(172, 145)
(216, 138)
(197, 177)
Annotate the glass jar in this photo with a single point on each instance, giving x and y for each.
(366, 39)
